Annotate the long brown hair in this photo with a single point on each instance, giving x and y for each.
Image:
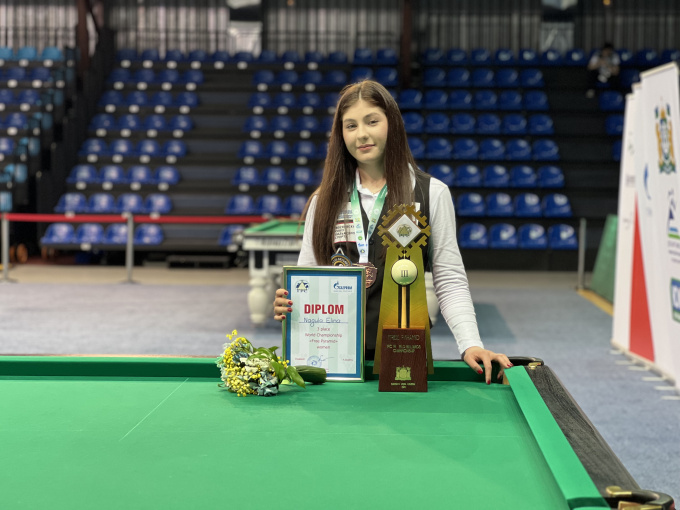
(340, 166)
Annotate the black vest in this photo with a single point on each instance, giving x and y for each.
(376, 256)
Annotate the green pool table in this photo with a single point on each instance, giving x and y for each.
(158, 433)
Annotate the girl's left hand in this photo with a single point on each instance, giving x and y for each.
(473, 356)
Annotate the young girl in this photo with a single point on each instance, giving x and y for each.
(370, 169)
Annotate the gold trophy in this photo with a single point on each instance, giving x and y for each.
(403, 355)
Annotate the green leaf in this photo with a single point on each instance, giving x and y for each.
(295, 376)
(279, 370)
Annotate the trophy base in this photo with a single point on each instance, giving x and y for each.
(403, 360)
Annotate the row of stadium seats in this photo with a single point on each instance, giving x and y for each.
(116, 234)
(574, 57)
(19, 97)
(24, 54)
(529, 236)
(498, 176)
(462, 99)
(94, 233)
(524, 205)
(111, 100)
(484, 123)
(516, 149)
(14, 172)
(308, 102)
(122, 76)
(93, 148)
(102, 123)
(115, 174)
(21, 74)
(310, 79)
(482, 77)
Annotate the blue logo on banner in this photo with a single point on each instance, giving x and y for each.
(675, 298)
(302, 286)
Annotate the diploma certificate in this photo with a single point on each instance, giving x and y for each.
(326, 327)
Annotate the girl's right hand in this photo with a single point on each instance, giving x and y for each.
(282, 305)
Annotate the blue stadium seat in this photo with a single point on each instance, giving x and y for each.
(522, 176)
(545, 150)
(71, 202)
(290, 56)
(274, 176)
(670, 55)
(311, 79)
(462, 124)
(130, 122)
(458, 77)
(283, 101)
(89, 233)
(628, 77)
(413, 123)
(491, 148)
(437, 123)
(168, 76)
(527, 57)
(155, 123)
(130, 203)
(482, 77)
(550, 176)
(269, 205)
(303, 151)
(41, 74)
(6, 96)
(294, 205)
(611, 101)
(435, 99)
(167, 175)
(146, 76)
(363, 57)
(460, 100)
(313, 57)
(614, 124)
(158, 203)
(504, 57)
(86, 174)
(58, 233)
(148, 235)
(309, 102)
(443, 172)
(438, 148)
(280, 125)
(267, 57)
(186, 100)
(7, 146)
(647, 58)
(485, 100)
(51, 53)
(540, 124)
(94, 146)
(432, 56)
(113, 174)
(174, 55)
(496, 176)
(240, 204)
(470, 204)
(510, 100)
(575, 57)
(536, 100)
(247, 176)
(488, 124)
(335, 78)
(129, 54)
(337, 57)
(473, 236)
(181, 123)
(417, 147)
(507, 78)
(231, 236)
(562, 237)
(27, 53)
(532, 237)
(122, 148)
(528, 205)
(301, 176)
(551, 58)
(136, 99)
(456, 57)
(616, 150)
(150, 55)
(322, 150)
(306, 125)
(198, 56)
(116, 234)
(468, 176)
(119, 76)
(514, 124)
(141, 174)
(434, 77)
(277, 150)
(15, 73)
(517, 150)
(326, 125)
(174, 149)
(480, 56)
(28, 97)
(465, 148)
(287, 79)
(263, 79)
(531, 78)
(192, 78)
(6, 54)
(502, 236)
(386, 57)
(556, 205)
(499, 205)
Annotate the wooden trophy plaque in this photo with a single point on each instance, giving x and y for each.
(404, 360)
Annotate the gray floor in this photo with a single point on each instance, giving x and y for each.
(535, 314)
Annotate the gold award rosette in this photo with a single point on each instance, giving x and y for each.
(404, 231)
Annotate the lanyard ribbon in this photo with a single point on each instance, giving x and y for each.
(362, 240)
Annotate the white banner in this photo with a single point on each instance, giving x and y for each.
(658, 191)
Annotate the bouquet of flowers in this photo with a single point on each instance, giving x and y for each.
(245, 370)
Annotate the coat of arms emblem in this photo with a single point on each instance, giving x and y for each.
(664, 137)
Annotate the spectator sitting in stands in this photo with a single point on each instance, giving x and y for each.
(604, 68)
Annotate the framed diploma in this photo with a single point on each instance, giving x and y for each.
(326, 327)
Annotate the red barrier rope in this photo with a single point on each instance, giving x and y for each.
(110, 218)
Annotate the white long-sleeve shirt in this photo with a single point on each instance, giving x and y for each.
(450, 281)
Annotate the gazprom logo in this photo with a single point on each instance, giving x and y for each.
(675, 299)
(337, 287)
